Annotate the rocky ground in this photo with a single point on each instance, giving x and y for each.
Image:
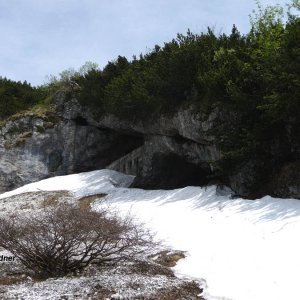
(139, 279)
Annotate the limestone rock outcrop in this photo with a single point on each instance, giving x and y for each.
(33, 147)
(175, 150)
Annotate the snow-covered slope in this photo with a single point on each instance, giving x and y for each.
(244, 249)
(82, 184)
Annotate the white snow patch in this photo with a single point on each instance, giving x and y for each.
(244, 249)
(83, 184)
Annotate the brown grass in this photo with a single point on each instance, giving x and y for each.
(187, 290)
(150, 269)
(8, 280)
(167, 258)
(84, 203)
(101, 293)
(52, 199)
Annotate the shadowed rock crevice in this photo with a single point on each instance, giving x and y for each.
(112, 146)
(80, 121)
(171, 171)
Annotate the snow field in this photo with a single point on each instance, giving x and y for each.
(243, 249)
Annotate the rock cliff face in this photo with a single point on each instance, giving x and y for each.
(176, 150)
(33, 147)
(174, 161)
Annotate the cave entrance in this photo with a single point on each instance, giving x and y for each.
(170, 171)
(101, 147)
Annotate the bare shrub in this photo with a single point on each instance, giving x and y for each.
(67, 239)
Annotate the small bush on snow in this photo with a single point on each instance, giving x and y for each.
(67, 239)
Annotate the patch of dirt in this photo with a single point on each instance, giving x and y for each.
(51, 199)
(150, 268)
(101, 293)
(168, 258)
(185, 291)
(31, 201)
(85, 202)
(12, 279)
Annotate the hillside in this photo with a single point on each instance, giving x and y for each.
(214, 108)
(174, 175)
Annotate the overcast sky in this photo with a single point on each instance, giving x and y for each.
(43, 37)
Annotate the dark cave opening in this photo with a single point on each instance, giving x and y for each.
(81, 121)
(106, 146)
(170, 171)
